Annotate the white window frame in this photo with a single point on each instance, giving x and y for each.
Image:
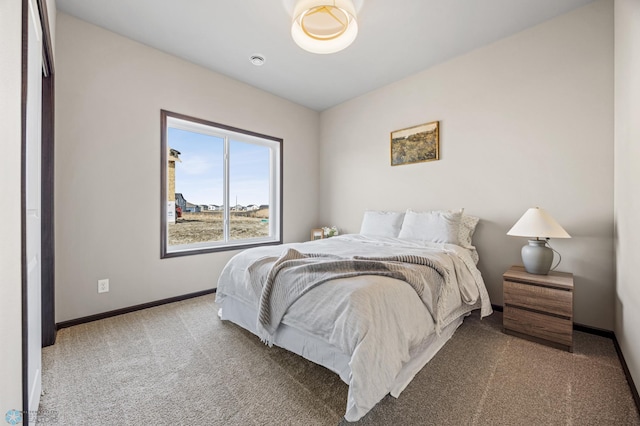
(227, 133)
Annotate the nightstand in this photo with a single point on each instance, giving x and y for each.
(539, 307)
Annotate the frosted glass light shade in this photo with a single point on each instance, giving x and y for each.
(537, 223)
(324, 26)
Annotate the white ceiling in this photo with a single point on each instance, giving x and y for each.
(396, 38)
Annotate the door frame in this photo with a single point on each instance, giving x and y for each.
(23, 212)
(47, 185)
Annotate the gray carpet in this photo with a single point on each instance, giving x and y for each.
(178, 364)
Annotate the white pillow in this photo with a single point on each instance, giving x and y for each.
(438, 226)
(467, 228)
(381, 224)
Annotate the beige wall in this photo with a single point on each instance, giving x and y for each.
(627, 180)
(526, 121)
(109, 92)
(10, 188)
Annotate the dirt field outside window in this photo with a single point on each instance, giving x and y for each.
(207, 226)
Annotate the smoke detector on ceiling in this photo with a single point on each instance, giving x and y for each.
(257, 60)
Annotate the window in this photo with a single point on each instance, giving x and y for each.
(221, 187)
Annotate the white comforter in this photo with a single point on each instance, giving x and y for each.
(376, 325)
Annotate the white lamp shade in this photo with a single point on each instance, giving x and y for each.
(537, 223)
(317, 31)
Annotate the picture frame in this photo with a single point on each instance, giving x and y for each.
(317, 234)
(416, 144)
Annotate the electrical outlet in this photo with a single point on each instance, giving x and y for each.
(103, 286)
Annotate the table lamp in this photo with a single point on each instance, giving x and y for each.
(536, 223)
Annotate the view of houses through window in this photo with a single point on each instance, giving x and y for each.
(223, 186)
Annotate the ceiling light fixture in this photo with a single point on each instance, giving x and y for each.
(324, 26)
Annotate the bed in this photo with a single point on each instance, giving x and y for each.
(373, 307)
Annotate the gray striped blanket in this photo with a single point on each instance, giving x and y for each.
(286, 279)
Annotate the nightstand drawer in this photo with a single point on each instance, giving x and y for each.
(545, 299)
(546, 327)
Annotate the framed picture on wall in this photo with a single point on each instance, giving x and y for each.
(416, 144)
(317, 234)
